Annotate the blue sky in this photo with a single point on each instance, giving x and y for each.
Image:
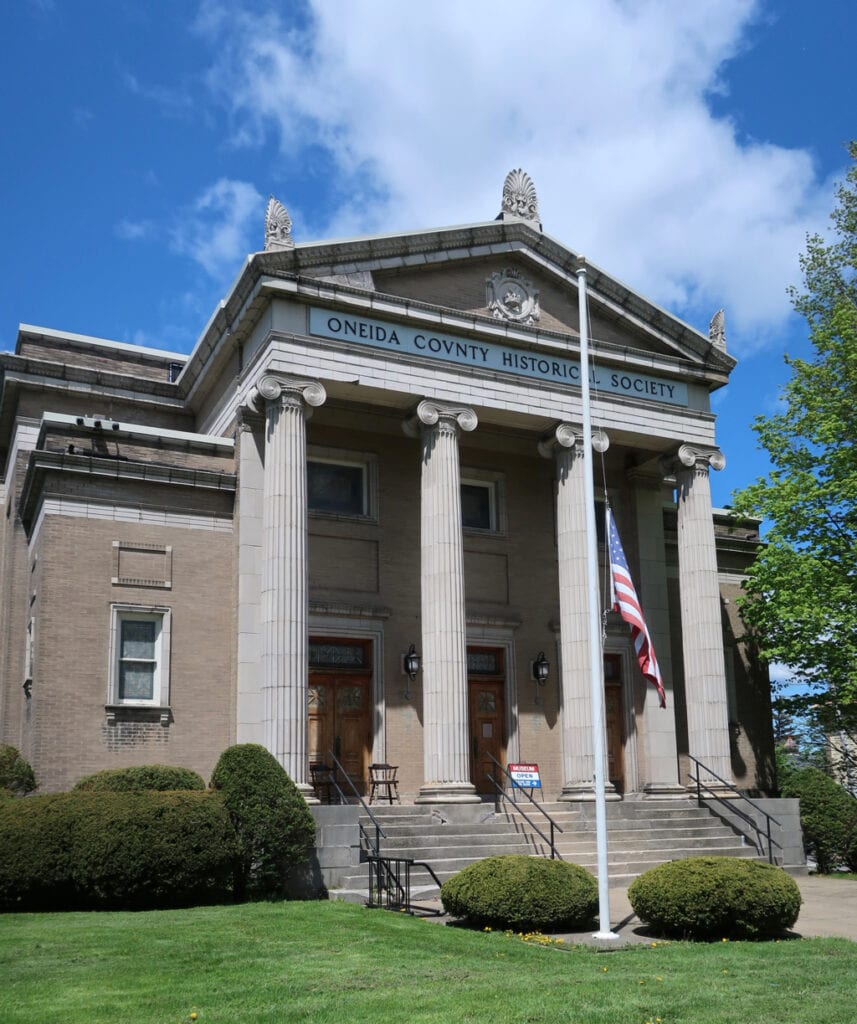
(686, 148)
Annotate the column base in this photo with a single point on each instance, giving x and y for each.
(307, 792)
(573, 792)
(664, 791)
(448, 793)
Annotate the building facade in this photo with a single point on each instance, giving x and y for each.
(376, 448)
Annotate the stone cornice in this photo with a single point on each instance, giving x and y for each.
(236, 315)
(41, 463)
(18, 373)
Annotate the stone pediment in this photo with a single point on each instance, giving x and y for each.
(501, 271)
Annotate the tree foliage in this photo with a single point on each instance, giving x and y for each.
(801, 604)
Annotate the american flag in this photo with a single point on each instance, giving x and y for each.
(624, 599)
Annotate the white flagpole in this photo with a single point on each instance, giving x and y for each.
(596, 662)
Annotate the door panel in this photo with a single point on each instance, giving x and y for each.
(614, 720)
(340, 720)
(487, 718)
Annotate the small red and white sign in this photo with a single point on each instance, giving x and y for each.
(525, 776)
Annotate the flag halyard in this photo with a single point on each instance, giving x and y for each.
(623, 599)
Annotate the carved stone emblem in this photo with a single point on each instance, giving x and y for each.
(717, 330)
(278, 227)
(519, 197)
(510, 296)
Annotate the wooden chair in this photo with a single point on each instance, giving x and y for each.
(383, 783)
(323, 778)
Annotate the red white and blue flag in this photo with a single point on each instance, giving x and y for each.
(623, 598)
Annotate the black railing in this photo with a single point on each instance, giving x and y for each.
(390, 885)
(372, 844)
(501, 793)
(730, 802)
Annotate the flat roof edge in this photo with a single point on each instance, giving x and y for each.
(86, 339)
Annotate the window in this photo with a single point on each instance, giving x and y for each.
(336, 487)
(139, 656)
(482, 501)
(341, 483)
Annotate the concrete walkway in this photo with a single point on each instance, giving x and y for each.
(829, 910)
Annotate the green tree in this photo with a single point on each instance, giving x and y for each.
(801, 604)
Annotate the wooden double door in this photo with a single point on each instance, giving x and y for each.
(340, 708)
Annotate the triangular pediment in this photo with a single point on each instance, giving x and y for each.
(530, 278)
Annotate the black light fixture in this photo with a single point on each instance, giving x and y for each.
(541, 669)
(410, 666)
(411, 663)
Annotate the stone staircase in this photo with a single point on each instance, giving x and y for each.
(641, 834)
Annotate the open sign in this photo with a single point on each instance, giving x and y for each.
(525, 776)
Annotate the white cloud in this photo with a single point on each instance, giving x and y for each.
(217, 229)
(133, 230)
(422, 109)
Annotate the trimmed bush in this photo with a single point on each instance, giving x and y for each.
(141, 777)
(828, 817)
(716, 898)
(522, 893)
(275, 829)
(115, 851)
(16, 775)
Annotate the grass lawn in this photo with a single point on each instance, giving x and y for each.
(336, 962)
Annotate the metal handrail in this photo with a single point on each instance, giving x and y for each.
(502, 793)
(379, 832)
(392, 875)
(714, 795)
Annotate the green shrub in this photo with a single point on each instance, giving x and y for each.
(141, 777)
(275, 829)
(16, 775)
(828, 817)
(115, 851)
(715, 898)
(522, 892)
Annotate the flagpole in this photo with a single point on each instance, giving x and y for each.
(596, 662)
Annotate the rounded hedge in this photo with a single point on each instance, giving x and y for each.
(16, 775)
(522, 893)
(275, 829)
(98, 851)
(141, 777)
(828, 817)
(716, 898)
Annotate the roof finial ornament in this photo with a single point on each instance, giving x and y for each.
(278, 227)
(520, 201)
(717, 330)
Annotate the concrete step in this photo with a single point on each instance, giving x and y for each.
(485, 828)
(640, 835)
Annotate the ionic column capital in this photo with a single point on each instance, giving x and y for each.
(284, 390)
(567, 436)
(446, 416)
(695, 456)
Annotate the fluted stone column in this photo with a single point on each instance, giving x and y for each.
(288, 402)
(446, 740)
(702, 631)
(658, 726)
(251, 482)
(565, 445)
